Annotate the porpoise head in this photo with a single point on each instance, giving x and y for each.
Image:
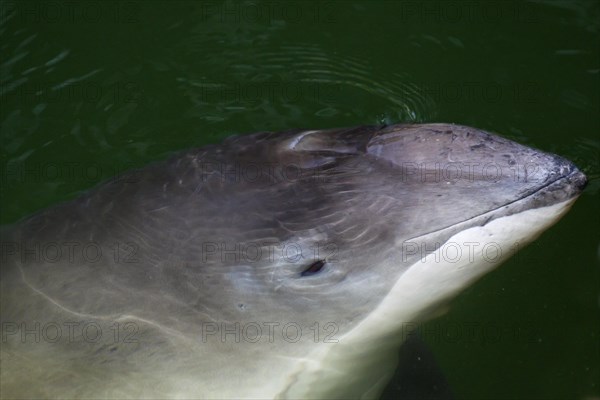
(280, 265)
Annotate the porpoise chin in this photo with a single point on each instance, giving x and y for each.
(273, 265)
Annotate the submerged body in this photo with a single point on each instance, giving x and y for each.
(274, 265)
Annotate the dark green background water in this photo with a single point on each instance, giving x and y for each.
(91, 89)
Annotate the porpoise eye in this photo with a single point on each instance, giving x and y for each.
(313, 268)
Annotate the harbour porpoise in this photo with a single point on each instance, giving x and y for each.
(273, 265)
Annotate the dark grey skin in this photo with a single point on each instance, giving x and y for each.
(346, 199)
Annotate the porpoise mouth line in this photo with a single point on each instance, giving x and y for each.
(573, 172)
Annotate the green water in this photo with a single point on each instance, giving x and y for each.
(89, 89)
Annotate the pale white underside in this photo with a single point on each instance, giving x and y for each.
(364, 359)
(358, 366)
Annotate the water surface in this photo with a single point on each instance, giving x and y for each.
(94, 88)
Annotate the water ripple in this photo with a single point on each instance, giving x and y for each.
(318, 84)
